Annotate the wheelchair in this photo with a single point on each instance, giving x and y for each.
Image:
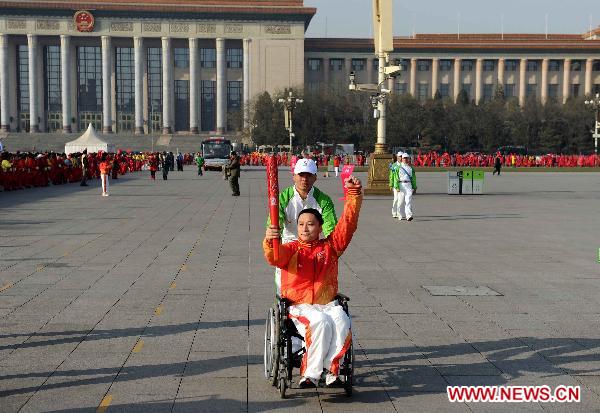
(279, 356)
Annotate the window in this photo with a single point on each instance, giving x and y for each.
(531, 90)
(182, 57)
(532, 66)
(488, 92)
(510, 65)
(52, 98)
(314, 65)
(423, 91)
(466, 65)
(23, 88)
(554, 66)
(235, 58)
(403, 63)
(423, 65)
(336, 65)
(234, 103)
(596, 66)
(401, 88)
(596, 88)
(489, 65)
(375, 65)
(358, 65)
(124, 81)
(553, 91)
(445, 65)
(208, 105)
(208, 58)
(576, 66)
(89, 86)
(509, 90)
(575, 90)
(467, 88)
(445, 90)
(313, 87)
(154, 68)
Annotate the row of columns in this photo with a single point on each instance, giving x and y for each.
(107, 64)
(566, 81)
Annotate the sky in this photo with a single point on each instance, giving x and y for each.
(352, 18)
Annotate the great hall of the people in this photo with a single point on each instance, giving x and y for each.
(191, 66)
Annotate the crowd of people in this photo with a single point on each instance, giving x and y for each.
(23, 170)
(436, 159)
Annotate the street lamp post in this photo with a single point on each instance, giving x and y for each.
(594, 104)
(289, 105)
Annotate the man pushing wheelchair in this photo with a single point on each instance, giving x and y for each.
(309, 282)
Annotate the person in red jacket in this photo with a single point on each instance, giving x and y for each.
(104, 166)
(309, 280)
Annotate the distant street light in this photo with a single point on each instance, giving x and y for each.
(594, 104)
(289, 105)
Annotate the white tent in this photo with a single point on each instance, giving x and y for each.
(91, 141)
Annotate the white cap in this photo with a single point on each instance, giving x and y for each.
(405, 155)
(399, 154)
(305, 165)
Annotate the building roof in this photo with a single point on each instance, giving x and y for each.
(558, 43)
(276, 9)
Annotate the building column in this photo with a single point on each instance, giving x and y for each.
(457, 63)
(106, 84)
(326, 70)
(167, 85)
(544, 86)
(589, 67)
(413, 77)
(221, 87)
(65, 93)
(501, 66)
(138, 62)
(348, 66)
(478, 80)
(32, 42)
(246, 102)
(435, 65)
(522, 81)
(193, 46)
(4, 98)
(566, 79)
(369, 70)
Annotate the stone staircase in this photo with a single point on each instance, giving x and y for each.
(56, 142)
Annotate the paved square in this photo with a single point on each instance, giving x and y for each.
(154, 298)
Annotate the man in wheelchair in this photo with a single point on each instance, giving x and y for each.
(309, 281)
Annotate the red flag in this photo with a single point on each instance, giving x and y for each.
(273, 197)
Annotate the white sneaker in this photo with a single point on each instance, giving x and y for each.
(331, 379)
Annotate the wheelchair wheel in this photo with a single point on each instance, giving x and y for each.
(282, 387)
(271, 351)
(349, 370)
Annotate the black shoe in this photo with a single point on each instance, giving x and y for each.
(84, 185)
(409, 219)
(306, 383)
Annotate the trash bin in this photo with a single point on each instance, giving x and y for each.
(478, 178)
(453, 183)
(467, 183)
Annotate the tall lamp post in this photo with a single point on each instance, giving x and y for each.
(289, 105)
(594, 104)
(384, 45)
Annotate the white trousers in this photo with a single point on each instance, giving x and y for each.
(337, 170)
(327, 336)
(395, 202)
(405, 195)
(104, 179)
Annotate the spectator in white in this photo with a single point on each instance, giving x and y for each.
(408, 186)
